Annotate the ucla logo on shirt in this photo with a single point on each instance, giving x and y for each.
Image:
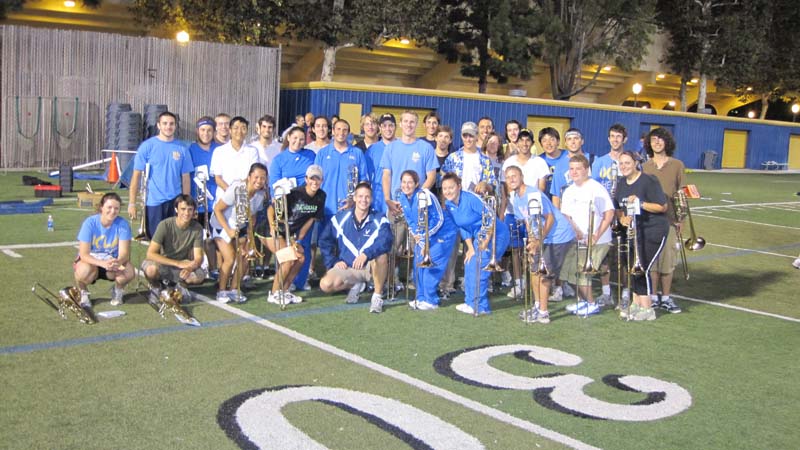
(176, 155)
(352, 157)
(415, 157)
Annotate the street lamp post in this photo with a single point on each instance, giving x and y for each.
(637, 89)
(795, 110)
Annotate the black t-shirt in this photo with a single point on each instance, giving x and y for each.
(647, 189)
(303, 207)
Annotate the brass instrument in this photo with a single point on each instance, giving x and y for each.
(588, 267)
(169, 301)
(281, 209)
(407, 252)
(141, 205)
(241, 210)
(68, 299)
(636, 269)
(616, 227)
(515, 259)
(422, 224)
(681, 205)
(492, 265)
(352, 182)
(535, 226)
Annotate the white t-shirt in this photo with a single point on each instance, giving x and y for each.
(471, 170)
(532, 171)
(266, 155)
(575, 203)
(232, 165)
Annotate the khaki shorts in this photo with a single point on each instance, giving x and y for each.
(171, 273)
(351, 276)
(573, 261)
(669, 254)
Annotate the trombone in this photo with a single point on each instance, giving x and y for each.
(281, 209)
(141, 205)
(491, 206)
(68, 299)
(632, 211)
(681, 205)
(241, 208)
(391, 282)
(588, 267)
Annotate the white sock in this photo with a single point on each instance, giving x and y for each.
(606, 289)
(665, 298)
(654, 298)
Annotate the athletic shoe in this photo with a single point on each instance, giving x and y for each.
(516, 290)
(247, 282)
(668, 305)
(796, 263)
(557, 296)
(274, 297)
(376, 304)
(352, 296)
(116, 295)
(443, 294)
(543, 317)
(655, 301)
(86, 302)
(289, 297)
(153, 297)
(623, 313)
(312, 275)
(572, 307)
(306, 286)
(292, 288)
(644, 314)
(186, 295)
(605, 300)
(223, 296)
(412, 304)
(214, 275)
(529, 315)
(587, 309)
(425, 306)
(626, 296)
(567, 290)
(236, 296)
(506, 279)
(465, 308)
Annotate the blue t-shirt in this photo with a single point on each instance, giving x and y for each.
(202, 157)
(104, 241)
(289, 164)
(417, 156)
(375, 173)
(602, 170)
(561, 179)
(551, 164)
(561, 232)
(168, 162)
(336, 173)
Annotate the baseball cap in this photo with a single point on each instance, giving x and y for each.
(469, 128)
(314, 170)
(389, 117)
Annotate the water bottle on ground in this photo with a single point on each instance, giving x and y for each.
(51, 226)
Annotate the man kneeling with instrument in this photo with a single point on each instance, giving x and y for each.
(104, 251)
(357, 239)
(176, 251)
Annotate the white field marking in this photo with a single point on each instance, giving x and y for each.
(779, 208)
(26, 246)
(700, 208)
(11, 253)
(737, 308)
(752, 251)
(748, 221)
(397, 375)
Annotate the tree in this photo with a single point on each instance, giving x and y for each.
(250, 22)
(338, 24)
(771, 72)
(489, 39)
(592, 32)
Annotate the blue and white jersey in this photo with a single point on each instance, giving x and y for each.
(202, 158)
(551, 166)
(439, 222)
(417, 156)
(602, 170)
(289, 164)
(168, 162)
(467, 216)
(344, 239)
(336, 173)
(561, 232)
(375, 174)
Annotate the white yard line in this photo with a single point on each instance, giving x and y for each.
(700, 208)
(12, 253)
(417, 383)
(25, 246)
(752, 251)
(748, 222)
(737, 308)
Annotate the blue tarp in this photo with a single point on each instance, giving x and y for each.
(20, 207)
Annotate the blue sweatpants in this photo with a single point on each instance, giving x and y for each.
(427, 279)
(470, 267)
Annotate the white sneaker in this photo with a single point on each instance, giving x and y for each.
(223, 296)
(567, 290)
(796, 263)
(352, 296)
(425, 306)
(506, 279)
(236, 296)
(558, 295)
(517, 290)
(86, 302)
(292, 288)
(605, 300)
(412, 304)
(376, 304)
(291, 298)
(274, 297)
(116, 295)
(465, 308)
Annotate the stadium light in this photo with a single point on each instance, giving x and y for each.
(637, 89)
(795, 110)
(182, 37)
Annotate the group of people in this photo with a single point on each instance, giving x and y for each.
(361, 201)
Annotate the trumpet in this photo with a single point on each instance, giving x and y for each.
(68, 299)
(694, 242)
(141, 205)
(491, 207)
(422, 224)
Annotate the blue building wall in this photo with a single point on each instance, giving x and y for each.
(767, 141)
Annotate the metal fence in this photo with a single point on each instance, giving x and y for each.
(55, 85)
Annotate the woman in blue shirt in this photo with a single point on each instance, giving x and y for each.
(441, 232)
(467, 211)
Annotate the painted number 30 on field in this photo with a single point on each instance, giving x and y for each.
(254, 419)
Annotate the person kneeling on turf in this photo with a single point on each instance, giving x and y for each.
(176, 251)
(104, 250)
(355, 240)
